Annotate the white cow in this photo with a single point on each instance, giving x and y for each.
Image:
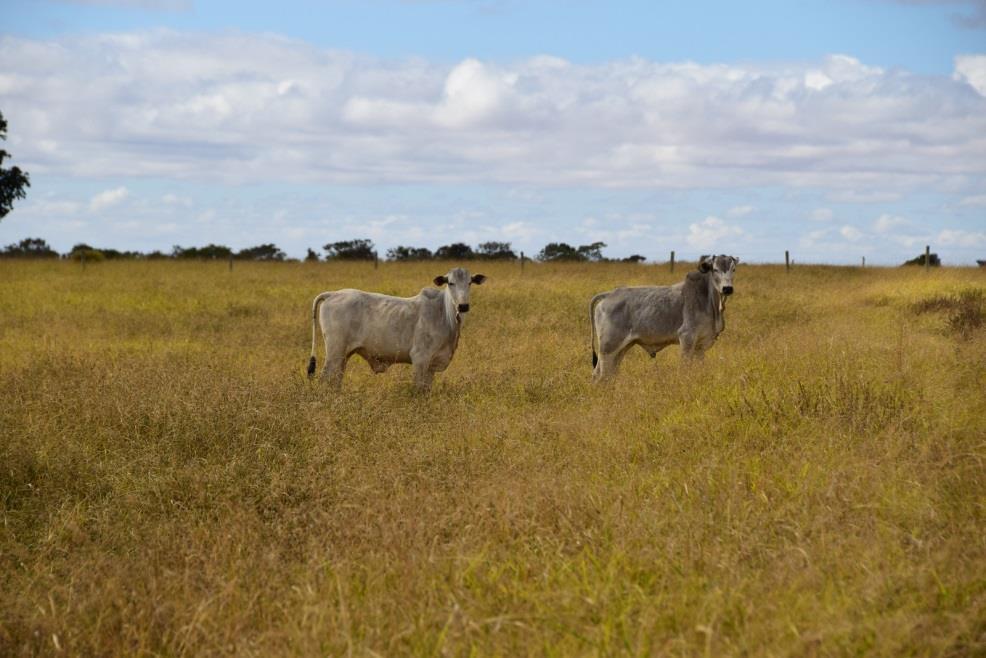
(422, 330)
(690, 313)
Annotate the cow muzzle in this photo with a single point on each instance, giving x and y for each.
(727, 290)
(463, 308)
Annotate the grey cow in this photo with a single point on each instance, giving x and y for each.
(689, 313)
(422, 330)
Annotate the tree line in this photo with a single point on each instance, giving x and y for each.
(38, 248)
(343, 250)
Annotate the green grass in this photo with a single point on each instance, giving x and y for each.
(171, 483)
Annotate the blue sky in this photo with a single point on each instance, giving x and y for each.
(834, 129)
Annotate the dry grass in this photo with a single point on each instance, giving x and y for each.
(171, 484)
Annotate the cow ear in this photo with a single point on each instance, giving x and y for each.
(440, 281)
(478, 279)
(705, 263)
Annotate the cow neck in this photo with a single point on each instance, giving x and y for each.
(718, 306)
(451, 314)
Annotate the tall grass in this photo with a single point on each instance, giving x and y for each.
(171, 483)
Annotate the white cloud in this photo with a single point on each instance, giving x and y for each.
(740, 211)
(838, 69)
(813, 238)
(56, 207)
(865, 196)
(975, 200)
(821, 214)
(971, 69)
(176, 200)
(709, 232)
(243, 108)
(520, 231)
(887, 223)
(108, 198)
(958, 238)
(472, 93)
(908, 241)
(850, 233)
(145, 228)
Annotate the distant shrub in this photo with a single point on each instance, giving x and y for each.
(81, 251)
(115, 254)
(29, 248)
(210, 251)
(267, 251)
(409, 253)
(933, 260)
(350, 250)
(561, 251)
(455, 251)
(495, 251)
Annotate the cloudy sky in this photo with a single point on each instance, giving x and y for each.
(836, 129)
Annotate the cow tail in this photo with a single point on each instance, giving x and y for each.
(592, 324)
(315, 304)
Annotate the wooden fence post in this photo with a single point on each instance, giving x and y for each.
(672, 261)
(927, 258)
(376, 261)
(864, 261)
(787, 261)
(522, 262)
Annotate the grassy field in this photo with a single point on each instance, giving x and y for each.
(172, 484)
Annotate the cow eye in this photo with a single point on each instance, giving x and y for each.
(450, 283)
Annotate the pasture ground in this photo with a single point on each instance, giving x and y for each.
(171, 484)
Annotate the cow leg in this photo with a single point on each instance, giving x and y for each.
(423, 375)
(335, 368)
(605, 368)
(692, 348)
(421, 368)
(609, 364)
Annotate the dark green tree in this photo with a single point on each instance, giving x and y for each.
(636, 258)
(13, 181)
(554, 251)
(116, 254)
(409, 253)
(495, 251)
(933, 260)
(210, 251)
(562, 251)
(267, 251)
(592, 251)
(29, 248)
(311, 256)
(350, 250)
(455, 251)
(82, 250)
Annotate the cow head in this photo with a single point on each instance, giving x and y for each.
(722, 269)
(458, 281)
